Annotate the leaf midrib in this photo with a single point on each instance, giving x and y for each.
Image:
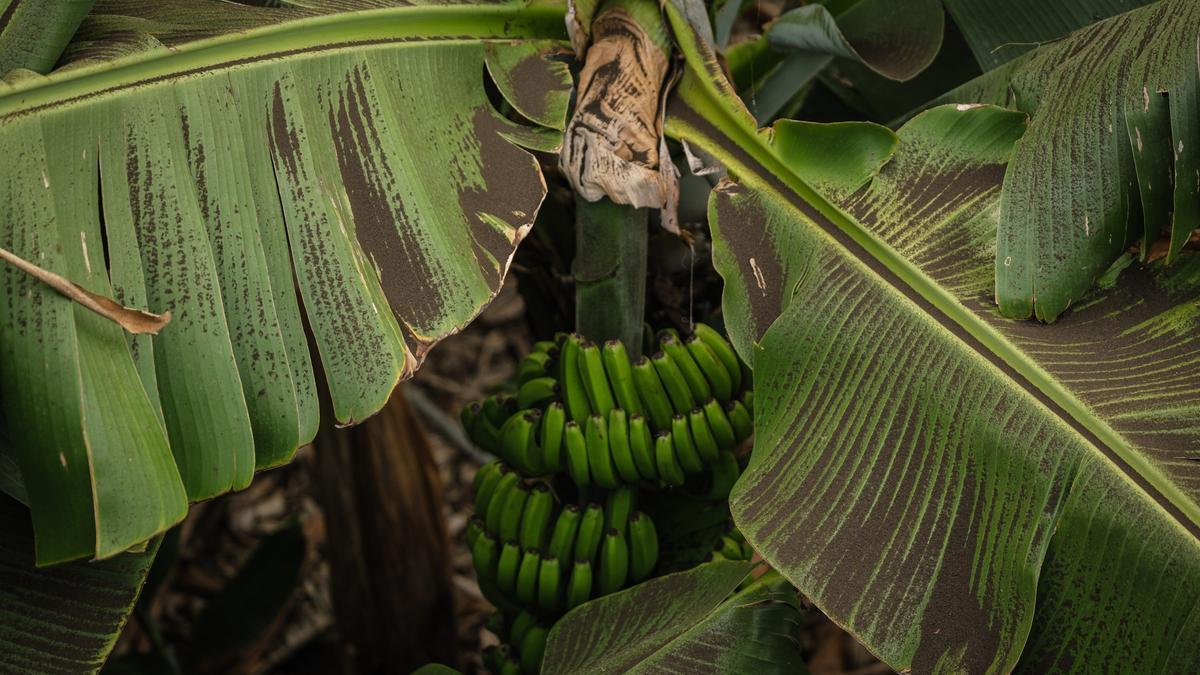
(768, 173)
(449, 23)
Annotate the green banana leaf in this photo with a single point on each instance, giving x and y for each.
(698, 625)
(33, 33)
(1001, 31)
(895, 39)
(65, 618)
(1114, 132)
(216, 178)
(963, 492)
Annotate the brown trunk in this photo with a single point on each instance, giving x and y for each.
(387, 546)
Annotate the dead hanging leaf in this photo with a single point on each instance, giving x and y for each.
(611, 147)
(132, 320)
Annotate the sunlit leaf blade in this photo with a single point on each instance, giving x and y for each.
(937, 478)
(33, 33)
(1001, 31)
(64, 618)
(211, 180)
(696, 626)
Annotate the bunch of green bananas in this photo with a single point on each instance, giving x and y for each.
(533, 558)
(608, 421)
(611, 426)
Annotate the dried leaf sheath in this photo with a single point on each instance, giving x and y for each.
(611, 147)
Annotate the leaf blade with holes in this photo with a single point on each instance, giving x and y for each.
(935, 477)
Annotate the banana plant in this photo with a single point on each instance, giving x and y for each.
(963, 491)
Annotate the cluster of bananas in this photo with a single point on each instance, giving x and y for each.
(608, 421)
(535, 560)
(542, 545)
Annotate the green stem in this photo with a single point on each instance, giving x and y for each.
(610, 271)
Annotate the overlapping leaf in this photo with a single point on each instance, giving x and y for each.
(213, 180)
(33, 33)
(696, 626)
(891, 38)
(66, 618)
(1111, 157)
(963, 492)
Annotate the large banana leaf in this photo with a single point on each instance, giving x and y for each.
(33, 33)
(1111, 156)
(66, 618)
(1000, 31)
(686, 622)
(963, 492)
(215, 178)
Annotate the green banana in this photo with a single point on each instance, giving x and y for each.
(482, 431)
(687, 366)
(664, 333)
(723, 351)
(520, 626)
(537, 391)
(517, 441)
(619, 507)
(748, 401)
(652, 394)
(618, 442)
(513, 509)
(495, 505)
(722, 428)
(647, 338)
(486, 479)
(497, 408)
(574, 394)
(740, 420)
(718, 378)
(579, 587)
(673, 381)
(669, 470)
(468, 416)
(591, 532)
(641, 444)
(725, 472)
(549, 585)
(620, 375)
(484, 555)
(643, 546)
(595, 382)
(532, 649)
(535, 365)
(535, 520)
(545, 347)
(508, 566)
(553, 421)
(702, 436)
(474, 529)
(562, 540)
(527, 577)
(685, 448)
(600, 461)
(577, 454)
(614, 563)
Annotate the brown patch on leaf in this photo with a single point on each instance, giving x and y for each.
(611, 147)
(132, 320)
